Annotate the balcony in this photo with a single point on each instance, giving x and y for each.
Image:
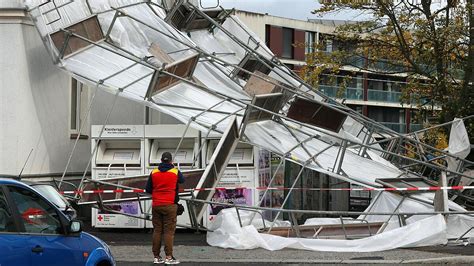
(384, 96)
(415, 127)
(398, 127)
(401, 127)
(386, 66)
(347, 93)
(355, 61)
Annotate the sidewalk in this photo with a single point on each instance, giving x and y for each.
(133, 247)
(207, 254)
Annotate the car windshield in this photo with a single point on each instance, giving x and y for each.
(52, 195)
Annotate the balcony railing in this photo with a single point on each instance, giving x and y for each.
(347, 93)
(358, 94)
(398, 127)
(401, 127)
(384, 96)
(415, 127)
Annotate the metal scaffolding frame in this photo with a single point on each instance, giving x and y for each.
(395, 152)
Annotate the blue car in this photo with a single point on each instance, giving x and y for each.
(33, 231)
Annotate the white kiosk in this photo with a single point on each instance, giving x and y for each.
(118, 152)
(240, 175)
(166, 138)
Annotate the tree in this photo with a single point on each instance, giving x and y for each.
(431, 43)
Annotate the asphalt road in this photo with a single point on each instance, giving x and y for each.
(133, 247)
(206, 263)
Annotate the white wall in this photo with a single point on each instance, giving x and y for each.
(35, 103)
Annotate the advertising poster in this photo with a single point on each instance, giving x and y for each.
(240, 196)
(268, 168)
(278, 196)
(130, 207)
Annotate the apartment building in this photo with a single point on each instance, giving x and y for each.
(377, 96)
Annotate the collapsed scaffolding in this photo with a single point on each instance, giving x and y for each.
(207, 69)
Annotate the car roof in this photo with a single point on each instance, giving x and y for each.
(10, 181)
(36, 183)
(27, 182)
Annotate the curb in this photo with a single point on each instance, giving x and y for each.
(442, 260)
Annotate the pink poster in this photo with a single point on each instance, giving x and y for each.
(239, 196)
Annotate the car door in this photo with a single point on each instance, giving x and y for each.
(13, 245)
(43, 230)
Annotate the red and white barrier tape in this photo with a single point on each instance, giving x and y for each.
(109, 191)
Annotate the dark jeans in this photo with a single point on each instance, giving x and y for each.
(164, 223)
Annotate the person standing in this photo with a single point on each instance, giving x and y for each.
(163, 187)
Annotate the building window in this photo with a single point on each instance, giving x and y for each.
(310, 42)
(326, 43)
(287, 43)
(78, 108)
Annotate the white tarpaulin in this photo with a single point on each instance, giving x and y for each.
(420, 230)
(227, 233)
(388, 202)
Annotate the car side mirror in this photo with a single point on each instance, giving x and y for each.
(75, 226)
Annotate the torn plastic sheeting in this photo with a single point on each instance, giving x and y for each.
(459, 144)
(232, 25)
(357, 168)
(227, 233)
(208, 42)
(97, 64)
(209, 75)
(70, 13)
(136, 36)
(388, 202)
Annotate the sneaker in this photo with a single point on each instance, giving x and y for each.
(158, 260)
(171, 261)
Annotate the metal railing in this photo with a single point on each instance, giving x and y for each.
(345, 93)
(384, 96)
(398, 127)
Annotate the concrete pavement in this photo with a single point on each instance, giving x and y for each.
(133, 247)
(192, 255)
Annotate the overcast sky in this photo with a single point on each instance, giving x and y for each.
(297, 9)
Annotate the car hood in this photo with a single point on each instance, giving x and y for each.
(90, 242)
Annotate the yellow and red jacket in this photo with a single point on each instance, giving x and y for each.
(163, 185)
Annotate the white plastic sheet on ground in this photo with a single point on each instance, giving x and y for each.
(227, 233)
(387, 202)
(421, 230)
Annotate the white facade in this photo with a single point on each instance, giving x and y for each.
(35, 103)
(33, 100)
